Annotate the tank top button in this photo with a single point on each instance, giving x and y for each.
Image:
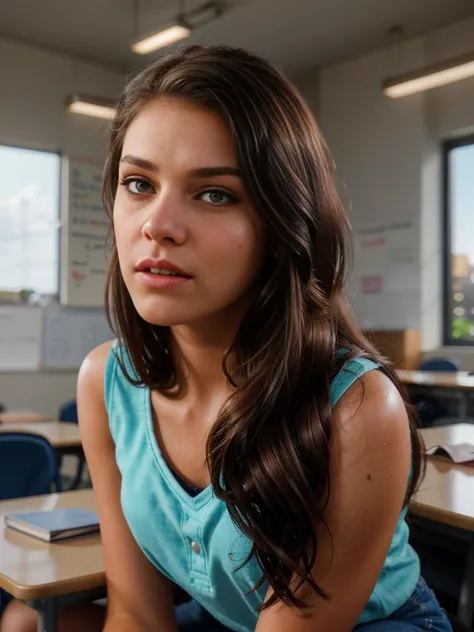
(195, 547)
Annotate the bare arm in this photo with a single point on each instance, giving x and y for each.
(139, 597)
(370, 463)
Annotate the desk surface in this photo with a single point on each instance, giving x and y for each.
(20, 416)
(59, 434)
(460, 381)
(447, 492)
(446, 495)
(32, 569)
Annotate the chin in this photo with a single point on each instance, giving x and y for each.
(161, 314)
(162, 317)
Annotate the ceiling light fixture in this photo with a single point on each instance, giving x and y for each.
(429, 78)
(90, 106)
(182, 27)
(165, 37)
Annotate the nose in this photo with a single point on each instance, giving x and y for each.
(165, 222)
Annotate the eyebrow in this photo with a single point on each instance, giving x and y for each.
(208, 172)
(201, 172)
(139, 162)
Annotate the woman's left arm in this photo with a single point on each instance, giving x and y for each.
(370, 467)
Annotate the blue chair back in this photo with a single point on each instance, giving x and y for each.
(68, 412)
(28, 466)
(440, 364)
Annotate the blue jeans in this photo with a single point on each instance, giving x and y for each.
(421, 612)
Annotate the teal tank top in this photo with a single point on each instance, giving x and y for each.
(192, 540)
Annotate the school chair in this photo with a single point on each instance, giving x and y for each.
(430, 408)
(446, 365)
(28, 466)
(68, 414)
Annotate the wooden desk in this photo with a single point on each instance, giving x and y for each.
(60, 434)
(446, 497)
(447, 493)
(459, 382)
(20, 416)
(47, 575)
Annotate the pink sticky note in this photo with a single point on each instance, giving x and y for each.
(372, 284)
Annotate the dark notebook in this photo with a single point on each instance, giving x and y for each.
(54, 525)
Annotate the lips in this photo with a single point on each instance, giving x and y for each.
(161, 267)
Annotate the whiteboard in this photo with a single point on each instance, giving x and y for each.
(385, 288)
(20, 338)
(84, 234)
(69, 334)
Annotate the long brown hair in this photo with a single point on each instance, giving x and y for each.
(268, 451)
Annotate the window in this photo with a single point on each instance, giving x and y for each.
(459, 242)
(29, 220)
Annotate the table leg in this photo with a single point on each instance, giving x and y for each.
(463, 405)
(78, 476)
(41, 621)
(466, 598)
(47, 609)
(47, 615)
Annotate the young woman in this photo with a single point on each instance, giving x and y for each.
(245, 441)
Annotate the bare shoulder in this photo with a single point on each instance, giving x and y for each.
(93, 418)
(371, 415)
(91, 373)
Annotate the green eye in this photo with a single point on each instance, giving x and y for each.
(217, 197)
(140, 186)
(137, 186)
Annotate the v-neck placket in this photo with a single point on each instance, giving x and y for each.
(191, 506)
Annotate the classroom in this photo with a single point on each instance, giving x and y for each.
(391, 88)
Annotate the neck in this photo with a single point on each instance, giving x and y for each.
(198, 349)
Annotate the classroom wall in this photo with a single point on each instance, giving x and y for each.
(387, 154)
(32, 114)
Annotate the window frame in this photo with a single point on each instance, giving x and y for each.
(48, 297)
(447, 147)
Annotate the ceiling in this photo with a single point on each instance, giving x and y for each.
(293, 34)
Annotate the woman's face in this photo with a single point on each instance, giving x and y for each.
(189, 243)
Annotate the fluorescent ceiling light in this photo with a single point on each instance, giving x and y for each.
(161, 39)
(91, 107)
(429, 78)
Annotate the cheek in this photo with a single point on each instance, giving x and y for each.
(238, 248)
(126, 224)
(250, 243)
(124, 233)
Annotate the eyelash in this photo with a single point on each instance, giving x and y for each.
(125, 182)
